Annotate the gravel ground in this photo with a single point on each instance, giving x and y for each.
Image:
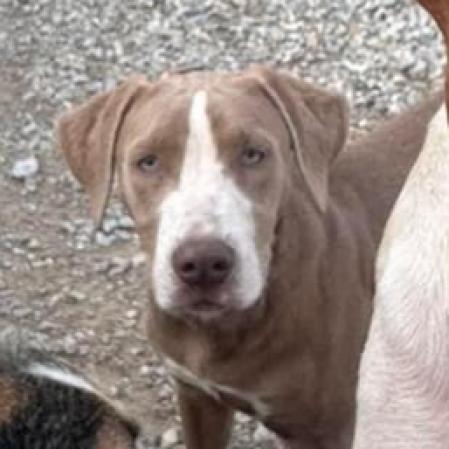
(88, 294)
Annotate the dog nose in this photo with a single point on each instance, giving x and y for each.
(203, 262)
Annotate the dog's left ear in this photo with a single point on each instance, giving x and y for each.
(317, 121)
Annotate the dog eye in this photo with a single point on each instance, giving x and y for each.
(252, 156)
(148, 163)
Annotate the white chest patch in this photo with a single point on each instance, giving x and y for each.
(206, 203)
(215, 390)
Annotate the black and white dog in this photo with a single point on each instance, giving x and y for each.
(46, 404)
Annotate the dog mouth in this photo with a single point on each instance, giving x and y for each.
(204, 306)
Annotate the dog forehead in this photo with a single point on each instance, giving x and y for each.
(221, 120)
(233, 106)
(230, 96)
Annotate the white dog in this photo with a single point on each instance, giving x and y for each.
(403, 396)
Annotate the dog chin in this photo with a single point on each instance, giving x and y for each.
(203, 310)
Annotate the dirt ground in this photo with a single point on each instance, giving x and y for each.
(87, 292)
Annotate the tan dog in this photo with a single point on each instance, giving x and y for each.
(260, 234)
(403, 397)
(47, 404)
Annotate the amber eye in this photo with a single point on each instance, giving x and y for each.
(148, 163)
(252, 156)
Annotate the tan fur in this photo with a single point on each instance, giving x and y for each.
(297, 350)
(113, 435)
(10, 400)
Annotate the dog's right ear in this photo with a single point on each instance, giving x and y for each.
(87, 136)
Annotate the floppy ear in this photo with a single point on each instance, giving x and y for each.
(87, 135)
(317, 121)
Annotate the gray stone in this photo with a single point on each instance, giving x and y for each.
(25, 168)
(170, 438)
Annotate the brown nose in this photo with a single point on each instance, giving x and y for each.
(203, 262)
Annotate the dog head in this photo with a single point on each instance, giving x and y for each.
(204, 162)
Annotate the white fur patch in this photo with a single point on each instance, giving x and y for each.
(403, 396)
(61, 376)
(206, 203)
(213, 389)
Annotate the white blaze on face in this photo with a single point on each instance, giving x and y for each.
(206, 203)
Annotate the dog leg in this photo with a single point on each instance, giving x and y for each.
(206, 422)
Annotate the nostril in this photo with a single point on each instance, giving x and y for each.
(188, 267)
(220, 266)
(218, 271)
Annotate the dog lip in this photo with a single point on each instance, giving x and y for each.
(206, 305)
(201, 306)
(204, 310)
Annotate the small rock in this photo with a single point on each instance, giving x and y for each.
(109, 225)
(138, 259)
(102, 266)
(165, 392)
(114, 391)
(126, 222)
(34, 244)
(146, 442)
(132, 314)
(262, 434)
(242, 418)
(145, 370)
(76, 296)
(170, 437)
(70, 345)
(136, 351)
(25, 168)
(118, 266)
(103, 239)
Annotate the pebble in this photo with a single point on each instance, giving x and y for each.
(170, 438)
(70, 345)
(145, 370)
(138, 260)
(25, 168)
(103, 239)
(118, 266)
(262, 434)
(76, 296)
(34, 244)
(132, 314)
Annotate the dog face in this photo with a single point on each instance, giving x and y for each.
(204, 163)
(205, 194)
